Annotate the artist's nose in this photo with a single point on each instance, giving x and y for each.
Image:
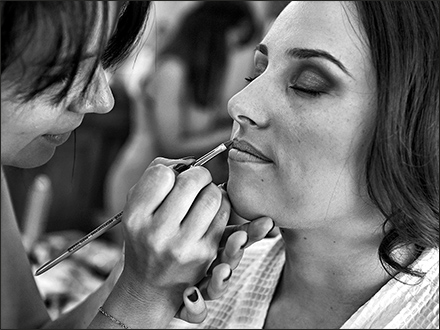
(248, 107)
(98, 98)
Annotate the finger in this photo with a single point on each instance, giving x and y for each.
(218, 225)
(218, 283)
(204, 214)
(185, 190)
(152, 188)
(183, 164)
(232, 252)
(256, 229)
(234, 248)
(170, 162)
(194, 309)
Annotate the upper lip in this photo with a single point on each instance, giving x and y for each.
(58, 133)
(250, 149)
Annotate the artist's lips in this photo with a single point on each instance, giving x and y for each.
(243, 151)
(57, 139)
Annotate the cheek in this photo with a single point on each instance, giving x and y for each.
(325, 139)
(22, 128)
(25, 127)
(31, 119)
(314, 156)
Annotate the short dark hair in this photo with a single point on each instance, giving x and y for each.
(71, 23)
(403, 163)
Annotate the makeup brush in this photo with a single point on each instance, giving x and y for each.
(98, 231)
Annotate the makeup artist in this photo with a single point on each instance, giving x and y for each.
(53, 57)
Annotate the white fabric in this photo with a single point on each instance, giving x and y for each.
(395, 306)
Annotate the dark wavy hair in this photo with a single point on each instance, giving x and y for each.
(200, 42)
(69, 25)
(403, 162)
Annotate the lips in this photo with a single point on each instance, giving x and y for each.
(247, 152)
(57, 139)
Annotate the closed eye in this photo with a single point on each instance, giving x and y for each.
(312, 93)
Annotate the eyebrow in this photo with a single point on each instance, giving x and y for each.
(306, 53)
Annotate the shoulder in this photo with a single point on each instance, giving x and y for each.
(418, 299)
(407, 302)
(22, 305)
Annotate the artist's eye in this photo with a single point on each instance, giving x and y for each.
(250, 79)
(260, 65)
(61, 76)
(311, 84)
(64, 78)
(258, 71)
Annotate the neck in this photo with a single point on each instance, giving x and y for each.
(331, 273)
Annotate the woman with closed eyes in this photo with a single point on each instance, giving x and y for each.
(336, 139)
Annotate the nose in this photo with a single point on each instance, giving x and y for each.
(98, 98)
(248, 109)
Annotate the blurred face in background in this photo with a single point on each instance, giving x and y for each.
(303, 124)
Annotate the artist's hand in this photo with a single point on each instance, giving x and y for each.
(172, 236)
(172, 226)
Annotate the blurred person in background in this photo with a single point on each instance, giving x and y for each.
(180, 106)
(185, 96)
(271, 11)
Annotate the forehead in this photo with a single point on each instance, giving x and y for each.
(331, 26)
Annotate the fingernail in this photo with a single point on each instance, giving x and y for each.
(188, 157)
(179, 168)
(193, 296)
(224, 186)
(273, 226)
(247, 240)
(228, 277)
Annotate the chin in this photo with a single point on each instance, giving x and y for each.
(31, 161)
(244, 202)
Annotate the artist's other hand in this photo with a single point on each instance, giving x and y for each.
(172, 227)
(234, 241)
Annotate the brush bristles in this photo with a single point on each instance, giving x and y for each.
(228, 144)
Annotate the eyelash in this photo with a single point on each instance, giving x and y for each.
(250, 79)
(310, 92)
(64, 79)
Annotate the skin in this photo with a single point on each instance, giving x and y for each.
(311, 181)
(172, 224)
(26, 126)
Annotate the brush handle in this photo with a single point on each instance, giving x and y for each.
(98, 231)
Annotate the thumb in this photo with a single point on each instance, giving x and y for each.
(194, 309)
